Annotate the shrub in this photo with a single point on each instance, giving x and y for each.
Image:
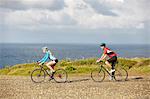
(126, 63)
(70, 68)
(144, 62)
(64, 63)
(90, 61)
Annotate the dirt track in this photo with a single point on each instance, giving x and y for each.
(12, 87)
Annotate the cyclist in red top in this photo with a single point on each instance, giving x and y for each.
(112, 57)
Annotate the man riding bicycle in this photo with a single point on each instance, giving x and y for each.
(112, 58)
(48, 56)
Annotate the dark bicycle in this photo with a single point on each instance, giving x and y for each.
(98, 75)
(39, 75)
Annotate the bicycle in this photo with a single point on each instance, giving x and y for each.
(98, 75)
(39, 75)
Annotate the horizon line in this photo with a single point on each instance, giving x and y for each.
(77, 43)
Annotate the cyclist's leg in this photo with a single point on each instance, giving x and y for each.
(108, 63)
(113, 68)
(113, 61)
(51, 65)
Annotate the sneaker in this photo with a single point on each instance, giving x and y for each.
(112, 74)
(110, 78)
(51, 78)
(112, 70)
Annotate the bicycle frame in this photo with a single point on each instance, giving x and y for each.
(42, 68)
(98, 74)
(57, 75)
(102, 67)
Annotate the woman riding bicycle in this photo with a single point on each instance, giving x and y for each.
(112, 58)
(48, 56)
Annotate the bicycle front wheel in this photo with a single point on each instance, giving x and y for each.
(38, 75)
(60, 76)
(98, 75)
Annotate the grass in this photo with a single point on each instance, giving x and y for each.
(82, 66)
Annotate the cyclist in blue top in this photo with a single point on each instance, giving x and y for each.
(48, 56)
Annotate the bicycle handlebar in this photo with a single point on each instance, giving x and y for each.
(102, 61)
(39, 63)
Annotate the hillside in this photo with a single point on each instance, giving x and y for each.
(135, 66)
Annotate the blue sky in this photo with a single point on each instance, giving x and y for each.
(75, 21)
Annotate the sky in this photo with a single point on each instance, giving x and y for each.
(75, 21)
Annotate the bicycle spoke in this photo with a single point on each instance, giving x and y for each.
(118, 75)
(121, 74)
(60, 76)
(38, 75)
(98, 75)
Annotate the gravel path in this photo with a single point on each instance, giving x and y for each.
(12, 87)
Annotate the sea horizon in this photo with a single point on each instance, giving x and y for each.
(78, 43)
(18, 53)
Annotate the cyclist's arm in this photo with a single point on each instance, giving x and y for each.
(52, 56)
(50, 53)
(44, 59)
(102, 57)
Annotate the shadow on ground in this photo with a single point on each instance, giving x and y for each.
(78, 80)
(129, 79)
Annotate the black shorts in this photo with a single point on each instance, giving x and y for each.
(56, 60)
(113, 61)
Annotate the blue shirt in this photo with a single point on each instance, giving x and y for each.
(48, 55)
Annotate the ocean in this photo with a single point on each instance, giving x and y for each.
(11, 54)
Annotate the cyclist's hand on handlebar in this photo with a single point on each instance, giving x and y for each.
(41, 63)
(37, 62)
(98, 61)
(101, 61)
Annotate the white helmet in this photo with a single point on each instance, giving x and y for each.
(44, 48)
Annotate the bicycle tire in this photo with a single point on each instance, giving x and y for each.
(124, 74)
(38, 75)
(121, 74)
(60, 76)
(118, 75)
(98, 75)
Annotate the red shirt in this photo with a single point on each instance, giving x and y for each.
(109, 52)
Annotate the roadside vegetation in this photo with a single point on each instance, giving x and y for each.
(134, 66)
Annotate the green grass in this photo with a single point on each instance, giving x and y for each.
(82, 66)
(20, 69)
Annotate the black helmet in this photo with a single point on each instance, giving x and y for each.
(103, 44)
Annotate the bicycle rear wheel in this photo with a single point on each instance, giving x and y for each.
(38, 75)
(118, 76)
(124, 73)
(98, 75)
(60, 76)
(121, 74)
